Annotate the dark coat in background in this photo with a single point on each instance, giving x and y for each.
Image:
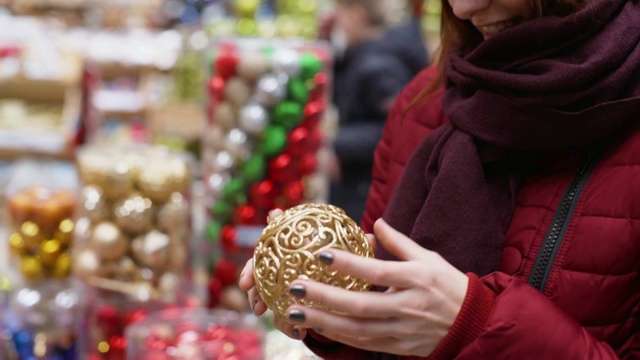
(367, 79)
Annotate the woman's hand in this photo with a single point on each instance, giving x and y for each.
(424, 297)
(246, 284)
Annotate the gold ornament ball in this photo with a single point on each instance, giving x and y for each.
(134, 214)
(237, 92)
(224, 116)
(174, 215)
(162, 177)
(253, 65)
(62, 267)
(152, 250)
(288, 249)
(86, 264)
(108, 241)
(31, 268)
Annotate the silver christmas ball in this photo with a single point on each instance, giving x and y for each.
(237, 92)
(270, 90)
(224, 116)
(287, 61)
(216, 182)
(237, 144)
(253, 119)
(222, 162)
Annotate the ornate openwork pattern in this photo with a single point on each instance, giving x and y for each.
(288, 247)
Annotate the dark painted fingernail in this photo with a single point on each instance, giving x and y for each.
(296, 333)
(326, 258)
(297, 316)
(253, 304)
(318, 330)
(298, 291)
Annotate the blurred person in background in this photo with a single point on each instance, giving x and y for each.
(373, 64)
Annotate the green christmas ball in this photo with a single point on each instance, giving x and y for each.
(221, 211)
(213, 230)
(233, 190)
(298, 91)
(253, 169)
(288, 114)
(310, 65)
(274, 141)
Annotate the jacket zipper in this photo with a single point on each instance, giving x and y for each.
(551, 244)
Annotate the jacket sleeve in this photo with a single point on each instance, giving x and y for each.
(524, 323)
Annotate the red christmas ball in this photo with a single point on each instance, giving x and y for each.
(263, 194)
(226, 64)
(313, 114)
(282, 169)
(117, 343)
(215, 289)
(109, 321)
(307, 164)
(228, 237)
(225, 271)
(245, 215)
(298, 141)
(293, 194)
(216, 87)
(319, 91)
(316, 138)
(135, 316)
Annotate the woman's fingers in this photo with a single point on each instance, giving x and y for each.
(246, 277)
(292, 331)
(397, 243)
(274, 214)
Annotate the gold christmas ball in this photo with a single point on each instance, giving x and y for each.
(162, 177)
(174, 215)
(64, 234)
(288, 249)
(49, 251)
(108, 241)
(31, 268)
(62, 267)
(253, 65)
(86, 264)
(134, 214)
(93, 204)
(152, 250)
(237, 92)
(224, 116)
(17, 244)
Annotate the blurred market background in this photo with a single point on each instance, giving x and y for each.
(119, 155)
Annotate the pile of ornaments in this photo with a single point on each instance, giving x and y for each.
(266, 104)
(132, 232)
(196, 334)
(40, 318)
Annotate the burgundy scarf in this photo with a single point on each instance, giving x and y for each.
(550, 84)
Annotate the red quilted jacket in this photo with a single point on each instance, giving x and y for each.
(587, 301)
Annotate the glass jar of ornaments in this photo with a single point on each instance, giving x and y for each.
(267, 99)
(134, 243)
(43, 303)
(196, 334)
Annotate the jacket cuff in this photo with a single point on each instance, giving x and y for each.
(476, 308)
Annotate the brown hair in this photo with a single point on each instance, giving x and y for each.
(457, 34)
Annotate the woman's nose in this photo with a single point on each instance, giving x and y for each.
(464, 9)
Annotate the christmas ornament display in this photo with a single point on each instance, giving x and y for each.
(41, 223)
(106, 317)
(133, 220)
(40, 322)
(288, 249)
(260, 154)
(196, 334)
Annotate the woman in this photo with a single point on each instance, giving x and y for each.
(514, 230)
